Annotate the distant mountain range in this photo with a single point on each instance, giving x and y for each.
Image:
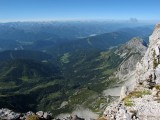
(27, 31)
(21, 36)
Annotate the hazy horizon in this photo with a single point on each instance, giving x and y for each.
(87, 20)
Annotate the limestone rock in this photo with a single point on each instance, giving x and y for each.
(6, 114)
(146, 104)
(124, 92)
(154, 92)
(40, 114)
(47, 115)
(132, 51)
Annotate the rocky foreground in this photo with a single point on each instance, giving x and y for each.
(143, 102)
(6, 114)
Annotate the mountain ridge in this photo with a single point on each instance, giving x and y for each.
(142, 102)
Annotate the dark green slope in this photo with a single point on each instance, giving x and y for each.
(24, 54)
(22, 82)
(79, 79)
(86, 66)
(26, 69)
(88, 73)
(34, 85)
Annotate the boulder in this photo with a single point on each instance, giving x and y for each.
(146, 84)
(154, 92)
(40, 114)
(124, 92)
(47, 115)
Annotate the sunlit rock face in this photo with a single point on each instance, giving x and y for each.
(143, 103)
(149, 63)
(155, 36)
(135, 49)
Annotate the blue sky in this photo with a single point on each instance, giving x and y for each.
(37, 10)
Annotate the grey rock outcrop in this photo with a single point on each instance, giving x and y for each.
(143, 102)
(149, 64)
(124, 92)
(132, 51)
(6, 114)
(40, 114)
(47, 115)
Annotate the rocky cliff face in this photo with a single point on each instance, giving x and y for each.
(143, 102)
(131, 53)
(149, 63)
